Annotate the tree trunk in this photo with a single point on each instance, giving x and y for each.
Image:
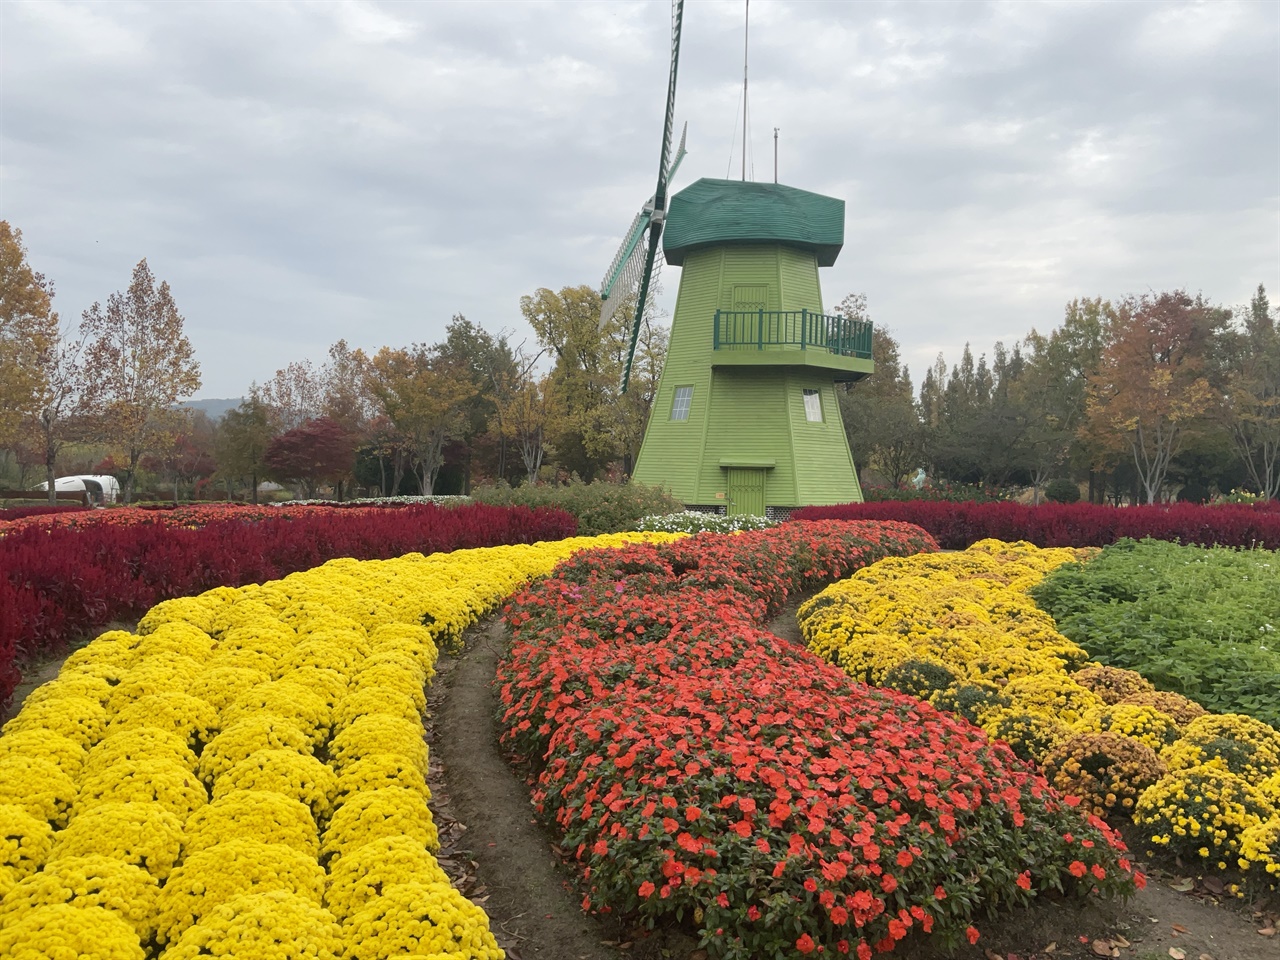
(49, 479)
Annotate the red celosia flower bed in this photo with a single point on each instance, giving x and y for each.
(60, 582)
(957, 525)
(698, 767)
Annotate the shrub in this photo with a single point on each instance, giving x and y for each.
(600, 507)
(1062, 490)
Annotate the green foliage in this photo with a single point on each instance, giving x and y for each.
(600, 507)
(1199, 621)
(1062, 490)
(951, 492)
(693, 521)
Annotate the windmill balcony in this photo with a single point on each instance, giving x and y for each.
(793, 338)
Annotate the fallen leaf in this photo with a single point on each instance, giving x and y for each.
(1179, 928)
(1214, 885)
(698, 954)
(1177, 953)
(1103, 948)
(992, 955)
(1184, 885)
(1207, 956)
(1051, 947)
(1268, 931)
(1120, 941)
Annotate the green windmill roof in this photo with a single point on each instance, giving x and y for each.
(714, 212)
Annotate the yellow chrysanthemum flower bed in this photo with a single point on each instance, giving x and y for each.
(245, 775)
(959, 629)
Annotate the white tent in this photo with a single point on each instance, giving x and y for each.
(101, 489)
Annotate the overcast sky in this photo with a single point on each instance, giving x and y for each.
(304, 172)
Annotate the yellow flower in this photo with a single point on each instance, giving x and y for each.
(62, 930)
(144, 834)
(422, 919)
(277, 925)
(166, 783)
(247, 736)
(253, 815)
(25, 842)
(362, 874)
(138, 747)
(371, 815)
(229, 870)
(38, 786)
(299, 776)
(93, 881)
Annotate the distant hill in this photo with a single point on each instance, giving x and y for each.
(213, 407)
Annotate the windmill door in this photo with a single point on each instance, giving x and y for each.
(746, 491)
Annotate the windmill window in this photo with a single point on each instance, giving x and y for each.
(812, 406)
(680, 405)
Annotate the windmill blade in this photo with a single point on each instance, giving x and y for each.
(665, 167)
(680, 152)
(623, 275)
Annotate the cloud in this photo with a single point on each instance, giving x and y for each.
(302, 172)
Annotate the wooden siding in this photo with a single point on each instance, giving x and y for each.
(745, 415)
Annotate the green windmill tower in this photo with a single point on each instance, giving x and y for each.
(745, 417)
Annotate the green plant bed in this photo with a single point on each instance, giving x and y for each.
(600, 507)
(1203, 622)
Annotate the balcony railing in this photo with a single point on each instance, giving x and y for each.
(802, 329)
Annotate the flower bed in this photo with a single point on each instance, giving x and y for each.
(697, 769)
(60, 582)
(961, 631)
(245, 776)
(1201, 622)
(957, 525)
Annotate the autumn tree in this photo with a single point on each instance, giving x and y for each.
(317, 451)
(243, 436)
(1150, 386)
(520, 413)
(586, 378)
(425, 395)
(342, 389)
(1251, 398)
(29, 334)
(139, 365)
(295, 394)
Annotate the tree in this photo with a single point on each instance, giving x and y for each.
(343, 389)
(880, 418)
(520, 415)
(1052, 388)
(139, 365)
(316, 452)
(1150, 386)
(486, 360)
(243, 437)
(425, 395)
(585, 383)
(1251, 398)
(28, 333)
(295, 394)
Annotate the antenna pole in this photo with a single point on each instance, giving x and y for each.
(746, 30)
(775, 154)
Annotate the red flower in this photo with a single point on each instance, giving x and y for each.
(1077, 868)
(1024, 880)
(805, 944)
(646, 890)
(972, 934)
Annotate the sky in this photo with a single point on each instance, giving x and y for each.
(301, 173)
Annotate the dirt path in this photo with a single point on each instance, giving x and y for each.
(506, 861)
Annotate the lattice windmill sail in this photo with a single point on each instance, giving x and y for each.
(632, 270)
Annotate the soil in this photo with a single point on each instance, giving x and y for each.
(510, 864)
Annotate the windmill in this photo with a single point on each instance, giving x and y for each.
(745, 419)
(634, 264)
